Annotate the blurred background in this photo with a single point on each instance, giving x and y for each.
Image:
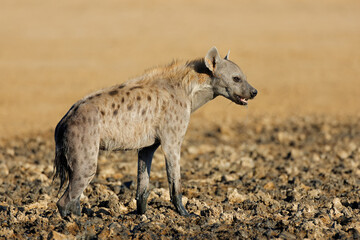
(302, 56)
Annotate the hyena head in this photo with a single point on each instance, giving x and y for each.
(228, 79)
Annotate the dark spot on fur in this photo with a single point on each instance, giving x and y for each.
(140, 87)
(122, 100)
(149, 98)
(181, 104)
(172, 96)
(121, 86)
(102, 112)
(138, 98)
(113, 92)
(143, 112)
(118, 106)
(76, 108)
(113, 105)
(115, 112)
(127, 93)
(90, 97)
(129, 107)
(84, 119)
(199, 66)
(98, 95)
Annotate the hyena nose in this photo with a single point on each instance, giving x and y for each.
(253, 93)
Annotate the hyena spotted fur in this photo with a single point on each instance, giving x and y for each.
(143, 113)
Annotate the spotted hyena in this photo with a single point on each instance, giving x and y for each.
(143, 113)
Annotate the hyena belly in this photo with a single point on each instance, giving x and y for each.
(129, 130)
(130, 124)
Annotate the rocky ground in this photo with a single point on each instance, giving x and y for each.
(261, 178)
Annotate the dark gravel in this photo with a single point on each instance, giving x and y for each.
(287, 178)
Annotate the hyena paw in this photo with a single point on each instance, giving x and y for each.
(71, 207)
(142, 203)
(177, 201)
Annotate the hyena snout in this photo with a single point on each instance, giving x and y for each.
(242, 97)
(253, 92)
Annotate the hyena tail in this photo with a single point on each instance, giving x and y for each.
(62, 168)
(61, 164)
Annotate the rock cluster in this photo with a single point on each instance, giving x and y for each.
(290, 178)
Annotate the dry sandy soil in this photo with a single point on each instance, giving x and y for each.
(288, 166)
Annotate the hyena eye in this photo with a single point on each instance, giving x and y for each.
(237, 79)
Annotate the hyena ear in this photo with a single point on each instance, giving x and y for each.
(212, 58)
(227, 55)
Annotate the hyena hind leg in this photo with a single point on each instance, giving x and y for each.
(82, 174)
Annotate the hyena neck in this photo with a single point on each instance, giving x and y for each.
(198, 84)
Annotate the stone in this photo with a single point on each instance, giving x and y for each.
(4, 171)
(53, 235)
(235, 197)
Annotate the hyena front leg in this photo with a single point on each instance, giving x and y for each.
(145, 157)
(172, 158)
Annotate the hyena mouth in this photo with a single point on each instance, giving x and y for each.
(240, 100)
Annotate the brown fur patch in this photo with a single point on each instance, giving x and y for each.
(115, 112)
(113, 92)
(149, 98)
(113, 105)
(122, 100)
(138, 98)
(129, 107)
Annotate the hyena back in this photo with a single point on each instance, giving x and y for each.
(143, 113)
